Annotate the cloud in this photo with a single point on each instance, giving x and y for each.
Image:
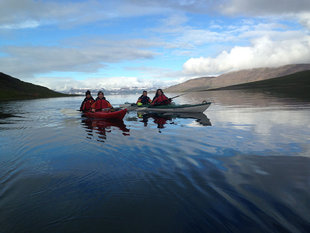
(70, 13)
(29, 60)
(178, 34)
(264, 7)
(22, 25)
(14, 13)
(192, 41)
(162, 77)
(304, 19)
(262, 53)
(73, 13)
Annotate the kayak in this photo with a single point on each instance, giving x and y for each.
(169, 108)
(119, 114)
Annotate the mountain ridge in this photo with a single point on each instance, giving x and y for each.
(14, 89)
(237, 78)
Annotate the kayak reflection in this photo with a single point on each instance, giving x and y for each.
(163, 118)
(102, 127)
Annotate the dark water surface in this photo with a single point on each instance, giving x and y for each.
(243, 166)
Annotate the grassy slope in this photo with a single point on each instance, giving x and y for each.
(13, 89)
(294, 85)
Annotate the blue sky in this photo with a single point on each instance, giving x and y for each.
(149, 44)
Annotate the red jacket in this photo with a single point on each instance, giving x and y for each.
(86, 104)
(161, 100)
(101, 104)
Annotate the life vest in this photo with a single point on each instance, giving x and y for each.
(161, 100)
(144, 99)
(101, 104)
(86, 104)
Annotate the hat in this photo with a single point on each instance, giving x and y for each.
(87, 92)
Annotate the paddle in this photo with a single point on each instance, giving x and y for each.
(178, 96)
(70, 112)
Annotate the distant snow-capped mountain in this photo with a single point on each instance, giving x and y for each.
(115, 91)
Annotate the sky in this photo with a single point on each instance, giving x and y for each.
(64, 44)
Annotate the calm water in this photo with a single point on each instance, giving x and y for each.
(243, 166)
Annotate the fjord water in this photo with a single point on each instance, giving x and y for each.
(243, 166)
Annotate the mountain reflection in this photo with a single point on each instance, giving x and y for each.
(249, 97)
(103, 127)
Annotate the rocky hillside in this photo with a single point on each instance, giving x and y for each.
(237, 78)
(190, 84)
(13, 89)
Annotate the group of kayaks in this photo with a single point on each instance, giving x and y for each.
(171, 108)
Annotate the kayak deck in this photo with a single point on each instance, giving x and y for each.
(119, 114)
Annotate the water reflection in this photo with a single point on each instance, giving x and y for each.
(249, 172)
(102, 127)
(240, 98)
(161, 119)
(5, 115)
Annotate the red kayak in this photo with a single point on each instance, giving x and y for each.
(107, 115)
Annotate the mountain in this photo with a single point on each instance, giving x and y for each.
(238, 78)
(118, 91)
(190, 84)
(294, 85)
(15, 89)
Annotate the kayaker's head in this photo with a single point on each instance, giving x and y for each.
(87, 93)
(159, 92)
(144, 93)
(100, 94)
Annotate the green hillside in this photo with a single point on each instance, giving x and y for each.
(294, 85)
(13, 89)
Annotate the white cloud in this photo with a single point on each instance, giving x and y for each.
(304, 19)
(22, 25)
(186, 39)
(262, 53)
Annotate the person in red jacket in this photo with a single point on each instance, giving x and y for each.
(160, 98)
(87, 102)
(101, 103)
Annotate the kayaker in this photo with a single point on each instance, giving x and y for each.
(160, 98)
(144, 99)
(101, 103)
(87, 102)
